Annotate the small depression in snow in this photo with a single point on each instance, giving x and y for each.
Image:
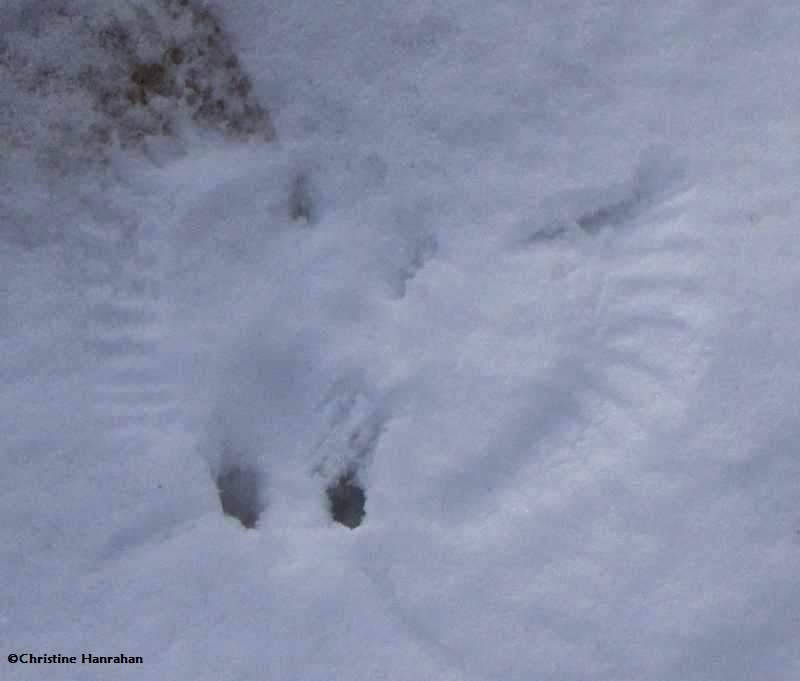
(240, 494)
(346, 500)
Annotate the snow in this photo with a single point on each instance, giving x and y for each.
(527, 273)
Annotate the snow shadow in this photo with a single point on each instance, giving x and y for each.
(657, 178)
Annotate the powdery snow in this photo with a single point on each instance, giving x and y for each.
(526, 274)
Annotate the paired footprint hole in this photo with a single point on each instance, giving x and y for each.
(346, 500)
(241, 496)
(240, 493)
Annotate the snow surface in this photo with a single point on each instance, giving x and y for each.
(529, 270)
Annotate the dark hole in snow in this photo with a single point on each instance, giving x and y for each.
(301, 204)
(346, 499)
(149, 76)
(176, 55)
(240, 494)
